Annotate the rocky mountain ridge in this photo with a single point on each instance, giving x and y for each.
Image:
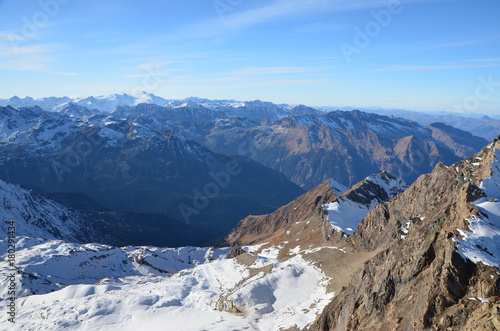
(431, 250)
(438, 255)
(322, 216)
(298, 141)
(346, 146)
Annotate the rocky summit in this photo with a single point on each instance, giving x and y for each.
(437, 256)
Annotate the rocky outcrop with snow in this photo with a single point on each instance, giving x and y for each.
(350, 208)
(38, 217)
(435, 253)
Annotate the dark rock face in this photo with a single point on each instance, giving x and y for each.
(77, 218)
(417, 280)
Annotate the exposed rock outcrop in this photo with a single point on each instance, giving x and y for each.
(418, 280)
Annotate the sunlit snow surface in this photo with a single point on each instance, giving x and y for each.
(99, 287)
(345, 214)
(482, 242)
(336, 187)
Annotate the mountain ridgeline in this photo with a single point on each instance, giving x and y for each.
(425, 257)
(399, 228)
(207, 163)
(436, 255)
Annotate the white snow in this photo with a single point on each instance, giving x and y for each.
(492, 185)
(99, 287)
(336, 187)
(405, 229)
(37, 217)
(288, 296)
(393, 186)
(56, 264)
(481, 242)
(345, 214)
(483, 300)
(317, 249)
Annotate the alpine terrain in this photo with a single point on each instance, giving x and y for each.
(141, 213)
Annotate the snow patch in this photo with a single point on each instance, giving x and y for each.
(346, 212)
(336, 187)
(481, 242)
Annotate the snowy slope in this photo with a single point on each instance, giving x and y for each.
(481, 241)
(46, 131)
(348, 210)
(51, 265)
(38, 217)
(356, 120)
(336, 187)
(214, 293)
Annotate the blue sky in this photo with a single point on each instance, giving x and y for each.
(430, 55)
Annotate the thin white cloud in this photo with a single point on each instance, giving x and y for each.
(9, 50)
(240, 18)
(154, 73)
(276, 70)
(284, 8)
(259, 84)
(149, 65)
(491, 59)
(478, 63)
(10, 36)
(61, 73)
(156, 69)
(24, 64)
(464, 43)
(86, 90)
(29, 58)
(320, 26)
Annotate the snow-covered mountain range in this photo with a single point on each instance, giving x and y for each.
(482, 126)
(104, 103)
(155, 157)
(84, 287)
(109, 103)
(288, 279)
(132, 167)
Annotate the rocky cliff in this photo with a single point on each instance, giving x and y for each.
(437, 255)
